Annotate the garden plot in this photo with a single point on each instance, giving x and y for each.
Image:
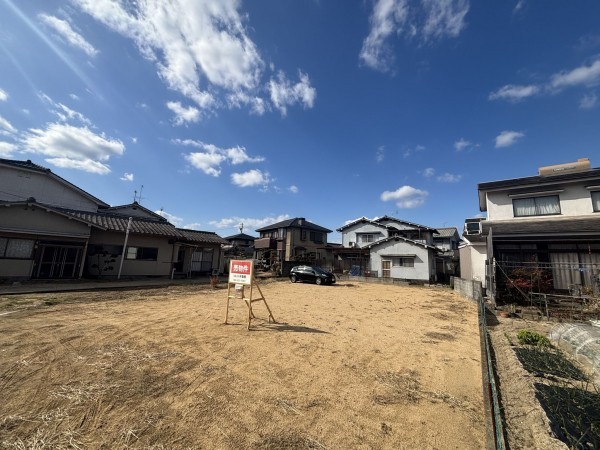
(346, 366)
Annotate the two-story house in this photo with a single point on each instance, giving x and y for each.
(387, 247)
(294, 239)
(447, 264)
(549, 221)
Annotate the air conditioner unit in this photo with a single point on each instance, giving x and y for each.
(352, 244)
(473, 226)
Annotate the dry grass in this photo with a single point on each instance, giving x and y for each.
(345, 367)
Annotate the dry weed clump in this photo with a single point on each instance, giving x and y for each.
(290, 441)
(402, 388)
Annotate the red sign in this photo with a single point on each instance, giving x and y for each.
(241, 271)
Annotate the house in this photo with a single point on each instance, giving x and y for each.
(50, 228)
(240, 244)
(387, 247)
(550, 221)
(294, 239)
(447, 261)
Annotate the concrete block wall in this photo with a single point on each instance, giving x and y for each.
(471, 289)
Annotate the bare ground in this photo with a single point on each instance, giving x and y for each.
(351, 366)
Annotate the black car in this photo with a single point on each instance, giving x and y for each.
(312, 274)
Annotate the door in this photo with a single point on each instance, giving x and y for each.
(386, 266)
(58, 261)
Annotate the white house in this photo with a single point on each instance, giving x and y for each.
(387, 247)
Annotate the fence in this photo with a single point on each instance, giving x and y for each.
(493, 418)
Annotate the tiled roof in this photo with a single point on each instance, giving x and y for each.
(566, 226)
(297, 222)
(24, 165)
(201, 236)
(398, 238)
(445, 232)
(393, 219)
(135, 205)
(116, 222)
(243, 236)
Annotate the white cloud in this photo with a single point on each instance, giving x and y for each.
(177, 221)
(211, 157)
(508, 138)
(409, 151)
(588, 101)
(405, 197)
(249, 222)
(73, 96)
(462, 144)
(63, 112)
(6, 126)
(430, 20)
(586, 75)
(293, 189)
(449, 178)
(514, 93)
(87, 165)
(182, 114)
(209, 163)
(428, 172)
(238, 155)
(3, 95)
(192, 226)
(73, 147)
(64, 29)
(127, 177)
(388, 18)
(380, 154)
(250, 178)
(7, 149)
(284, 94)
(444, 18)
(202, 49)
(519, 6)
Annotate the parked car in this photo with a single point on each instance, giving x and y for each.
(311, 274)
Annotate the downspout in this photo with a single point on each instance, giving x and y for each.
(124, 248)
(84, 257)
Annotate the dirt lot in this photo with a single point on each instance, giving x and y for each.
(350, 366)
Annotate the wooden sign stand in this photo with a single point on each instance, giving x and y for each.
(248, 300)
(241, 273)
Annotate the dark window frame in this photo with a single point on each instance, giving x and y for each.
(4, 249)
(142, 253)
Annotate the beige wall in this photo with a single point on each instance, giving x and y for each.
(133, 267)
(575, 200)
(18, 185)
(32, 219)
(293, 240)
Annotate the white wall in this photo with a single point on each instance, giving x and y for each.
(349, 234)
(472, 262)
(423, 269)
(575, 200)
(18, 185)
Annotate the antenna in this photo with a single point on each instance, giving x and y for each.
(140, 197)
(134, 196)
(241, 227)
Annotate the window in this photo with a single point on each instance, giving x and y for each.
(16, 248)
(403, 262)
(316, 237)
(536, 206)
(596, 201)
(367, 238)
(303, 235)
(282, 233)
(143, 253)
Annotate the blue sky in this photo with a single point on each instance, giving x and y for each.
(256, 111)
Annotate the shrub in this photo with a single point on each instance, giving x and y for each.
(527, 337)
